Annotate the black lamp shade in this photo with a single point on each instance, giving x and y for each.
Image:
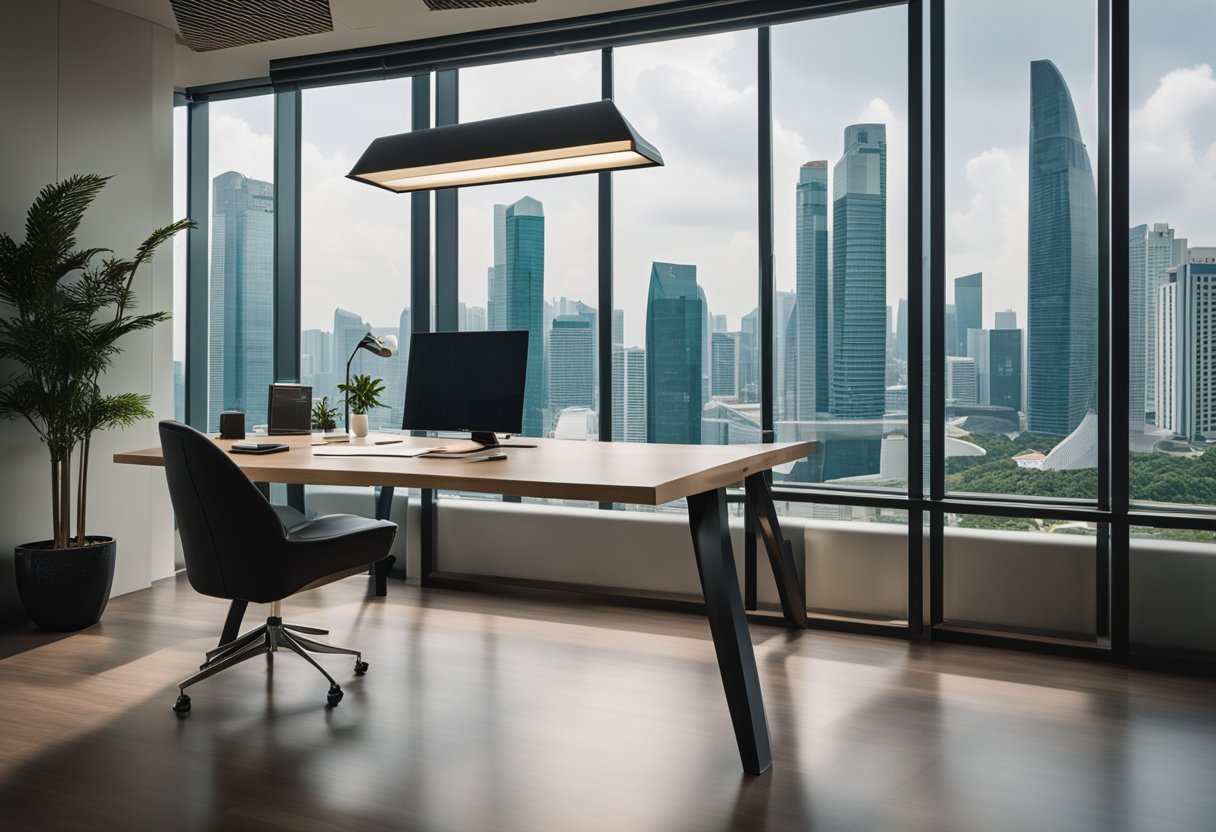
(567, 140)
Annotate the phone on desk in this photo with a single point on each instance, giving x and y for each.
(258, 447)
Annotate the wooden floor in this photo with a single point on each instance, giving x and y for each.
(492, 713)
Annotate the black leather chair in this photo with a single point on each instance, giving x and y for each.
(240, 547)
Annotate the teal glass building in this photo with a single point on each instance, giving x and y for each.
(1062, 323)
(675, 316)
(810, 331)
(520, 286)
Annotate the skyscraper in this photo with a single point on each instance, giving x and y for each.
(240, 352)
(724, 354)
(811, 287)
(496, 305)
(519, 286)
(1006, 319)
(969, 308)
(784, 330)
(859, 275)
(998, 365)
(1137, 327)
(1186, 362)
(960, 379)
(1161, 253)
(901, 330)
(628, 394)
(1062, 326)
(571, 362)
(675, 320)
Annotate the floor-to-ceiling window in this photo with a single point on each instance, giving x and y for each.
(685, 256)
(240, 294)
(354, 245)
(180, 148)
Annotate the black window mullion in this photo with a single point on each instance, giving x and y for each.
(420, 220)
(287, 236)
(937, 304)
(604, 245)
(447, 240)
(764, 173)
(916, 307)
(198, 207)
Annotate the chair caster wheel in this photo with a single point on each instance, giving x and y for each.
(360, 668)
(182, 706)
(333, 698)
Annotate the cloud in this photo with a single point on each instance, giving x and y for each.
(1173, 154)
(988, 233)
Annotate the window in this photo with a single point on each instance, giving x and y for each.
(528, 250)
(354, 245)
(840, 322)
(686, 253)
(1172, 415)
(1021, 320)
(180, 144)
(240, 295)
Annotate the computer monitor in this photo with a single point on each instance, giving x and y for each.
(470, 381)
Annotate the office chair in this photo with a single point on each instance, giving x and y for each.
(240, 547)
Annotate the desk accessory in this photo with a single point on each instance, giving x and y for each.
(289, 410)
(232, 424)
(258, 447)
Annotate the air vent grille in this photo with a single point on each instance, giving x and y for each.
(449, 5)
(207, 25)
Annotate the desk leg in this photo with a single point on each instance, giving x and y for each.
(232, 624)
(707, 519)
(780, 554)
(382, 568)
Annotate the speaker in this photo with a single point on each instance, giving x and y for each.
(232, 424)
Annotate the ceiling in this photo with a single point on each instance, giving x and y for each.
(356, 23)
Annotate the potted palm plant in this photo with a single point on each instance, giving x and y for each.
(64, 311)
(362, 394)
(324, 417)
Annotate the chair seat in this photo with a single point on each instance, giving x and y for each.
(333, 526)
(289, 516)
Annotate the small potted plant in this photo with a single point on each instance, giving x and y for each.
(324, 417)
(362, 394)
(63, 311)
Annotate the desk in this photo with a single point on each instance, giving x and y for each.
(621, 472)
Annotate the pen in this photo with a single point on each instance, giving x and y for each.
(387, 441)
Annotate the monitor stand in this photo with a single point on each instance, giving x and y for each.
(485, 438)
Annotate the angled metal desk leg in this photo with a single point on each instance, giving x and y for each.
(780, 554)
(707, 519)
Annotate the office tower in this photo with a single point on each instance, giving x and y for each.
(240, 350)
(1006, 319)
(786, 407)
(396, 367)
(960, 379)
(571, 362)
(810, 333)
(1138, 328)
(717, 324)
(784, 304)
(1186, 352)
(901, 330)
(724, 353)
(474, 319)
(1151, 253)
(998, 366)
(951, 329)
(1062, 326)
(675, 320)
(618, 326)
(897, 399)
(629, 394)
(317, 361)
(859, 275)
(518, 286)
(495, 298)
(968, 308)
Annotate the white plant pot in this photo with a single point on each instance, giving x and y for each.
(358, 424)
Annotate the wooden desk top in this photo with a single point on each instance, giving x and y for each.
(620, 472)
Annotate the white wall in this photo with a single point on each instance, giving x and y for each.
(86, 89)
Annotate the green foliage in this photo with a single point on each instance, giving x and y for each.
(363, 393)
(69, 309)
(324, 417)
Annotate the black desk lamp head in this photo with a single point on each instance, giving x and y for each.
(384, 347)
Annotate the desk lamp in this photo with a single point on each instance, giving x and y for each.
(383, 347)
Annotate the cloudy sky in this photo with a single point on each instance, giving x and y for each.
(695, 99)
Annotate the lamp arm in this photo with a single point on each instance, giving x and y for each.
(345, 399)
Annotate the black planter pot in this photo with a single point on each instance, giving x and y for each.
(65, 589)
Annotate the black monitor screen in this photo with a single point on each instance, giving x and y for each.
(470, 381)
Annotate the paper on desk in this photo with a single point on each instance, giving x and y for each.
(369, 450)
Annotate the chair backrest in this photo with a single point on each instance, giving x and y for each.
(230, 533)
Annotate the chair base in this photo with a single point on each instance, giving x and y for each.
(266, 640)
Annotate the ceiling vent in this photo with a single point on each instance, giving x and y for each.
(207, 25)
(448, 5)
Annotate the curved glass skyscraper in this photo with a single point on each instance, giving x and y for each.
(675, 319)
(1063, 261)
